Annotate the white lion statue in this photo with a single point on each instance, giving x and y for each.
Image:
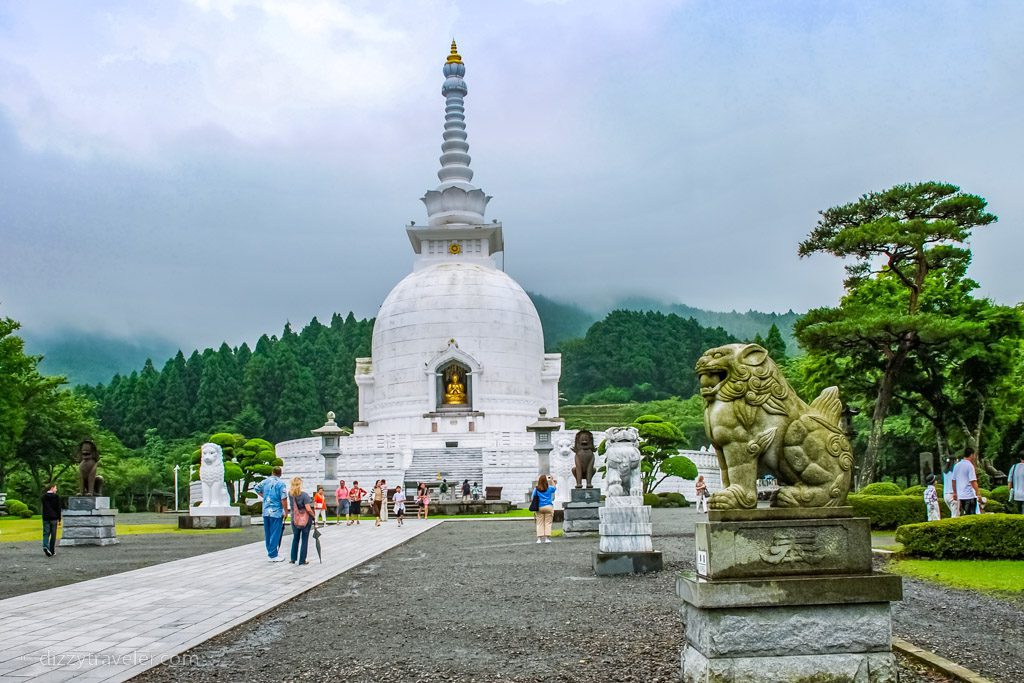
(622, 460)
(561, 467)
(211, 475)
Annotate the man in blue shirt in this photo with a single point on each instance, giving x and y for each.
(274, 493)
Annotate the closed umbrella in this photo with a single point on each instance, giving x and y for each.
(316, 540)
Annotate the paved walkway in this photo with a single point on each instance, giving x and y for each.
(115, 627)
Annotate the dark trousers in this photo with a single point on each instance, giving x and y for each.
(49, 534)
(300, 535)
(968, 506)
(273, 527)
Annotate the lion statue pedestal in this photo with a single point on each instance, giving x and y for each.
(625, 522)
(785, 593)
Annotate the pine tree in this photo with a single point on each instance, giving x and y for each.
(173, 421)
(775, 344)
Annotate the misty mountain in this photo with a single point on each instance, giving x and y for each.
(93, 357)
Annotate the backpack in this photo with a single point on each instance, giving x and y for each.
(300, 517)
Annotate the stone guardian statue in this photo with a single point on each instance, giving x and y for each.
(758, 424)
(584, 450)
(211, 475)
(622, 462)
(91, 483)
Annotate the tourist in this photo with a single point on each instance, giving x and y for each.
(702, 493)
(442, 490)
(51, 519)
(320, 506)
(302, 520)
(931, 499)
(1015, 480)
(949, 487)
(965, 478)
(399, 499)
(384, 503)
(465, 491)
(274, 494)
(355, 501)
(377, 497)
(476, 491)
(342, 495)
(545, 509)
(423, 498)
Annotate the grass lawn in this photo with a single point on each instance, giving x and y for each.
(17, 529)
(986, 575)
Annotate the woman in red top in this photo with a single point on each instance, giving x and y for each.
(355, 499)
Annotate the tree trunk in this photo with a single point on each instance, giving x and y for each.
(886, 389)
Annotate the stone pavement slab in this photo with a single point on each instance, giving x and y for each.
(115, 627)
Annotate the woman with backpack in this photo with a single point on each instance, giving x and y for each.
(302, 520)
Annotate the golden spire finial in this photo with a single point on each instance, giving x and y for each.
(454, 57)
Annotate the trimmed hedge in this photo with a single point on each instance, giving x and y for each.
(1000, 493)
(888, 512)
(999, 537)
(881, 488)
(18, 509)
(917, 491)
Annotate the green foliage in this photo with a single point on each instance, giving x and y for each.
(652, 499)
(659, 441)
(673, 500)
(1000, 493)
(18, 509)
(679, 466)
(899, 329)
(882, 488)
(971, 537)
(916, 491)
(649, 355)
(888, 512)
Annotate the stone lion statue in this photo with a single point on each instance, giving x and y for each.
(584, 450)
(622, 462)
(758, 424)
(211, 475)
(89, 457)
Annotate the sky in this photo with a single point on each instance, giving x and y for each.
(206, 170)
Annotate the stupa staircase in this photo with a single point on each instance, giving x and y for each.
(453, 464)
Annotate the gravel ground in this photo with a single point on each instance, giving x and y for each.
(981, 632)
(25, 569)
(478, 602)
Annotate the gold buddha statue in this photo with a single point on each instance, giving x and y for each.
(455, 389)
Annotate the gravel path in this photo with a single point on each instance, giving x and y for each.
(25, 569)
(473, 602)
(978, 631)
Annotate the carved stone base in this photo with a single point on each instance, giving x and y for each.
(781, 596)
(612, 564)
(212, 521)
(89, 520)
(214, 511)
(580, 516)
(871, 667)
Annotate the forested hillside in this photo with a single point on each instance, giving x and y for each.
(279, 390)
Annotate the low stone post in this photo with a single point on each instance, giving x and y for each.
(89, 520)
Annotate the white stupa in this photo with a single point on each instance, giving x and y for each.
(458, 367)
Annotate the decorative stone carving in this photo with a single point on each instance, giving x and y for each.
(757, 424)
(91, 483)
(561, 467)
(211, 475)
(584, 450)
(622, 460)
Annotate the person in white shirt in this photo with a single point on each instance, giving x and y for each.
(1015, 480)
(965, 477)
(399, 499)
(949, 488)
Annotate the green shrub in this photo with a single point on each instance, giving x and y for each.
(916, 491)
(888, 512)
(999, 537)
(672, 500)
(984, 493)
(18, 509)
(881, 488)
(994, 506)
(652, 499)
(1000, 493)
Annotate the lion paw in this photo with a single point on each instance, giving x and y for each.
(732, 498)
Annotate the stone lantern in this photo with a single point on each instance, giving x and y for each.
(542, 428)
(330, 446)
